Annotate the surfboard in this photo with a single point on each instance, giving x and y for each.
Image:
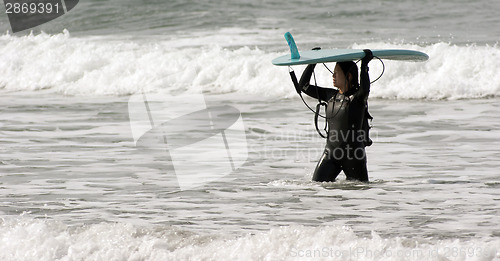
(342, 55)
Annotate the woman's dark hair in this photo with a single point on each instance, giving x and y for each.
(352, 68)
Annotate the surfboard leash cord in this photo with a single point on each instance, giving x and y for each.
(321, 103)
(380, 76)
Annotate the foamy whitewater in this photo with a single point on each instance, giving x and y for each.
(102, 66)
(75, 184)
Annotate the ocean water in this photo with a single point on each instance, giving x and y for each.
(76, 185)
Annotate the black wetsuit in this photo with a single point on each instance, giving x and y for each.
(345, 147)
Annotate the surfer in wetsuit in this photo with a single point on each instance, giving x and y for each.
(345, 113)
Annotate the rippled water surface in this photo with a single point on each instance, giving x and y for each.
(433, 169)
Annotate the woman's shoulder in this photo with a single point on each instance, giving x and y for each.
(330, 93)
(355, 95)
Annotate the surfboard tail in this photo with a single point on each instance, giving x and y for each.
(293, 47)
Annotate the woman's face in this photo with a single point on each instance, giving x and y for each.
(339, 80)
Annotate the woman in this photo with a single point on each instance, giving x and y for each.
(345, 114)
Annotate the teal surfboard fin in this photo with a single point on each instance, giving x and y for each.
(293, 47)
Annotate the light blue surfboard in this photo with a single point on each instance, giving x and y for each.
(342, 55)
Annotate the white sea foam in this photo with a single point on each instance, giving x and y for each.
(452, 72)
(24, 238)
(110, 66)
